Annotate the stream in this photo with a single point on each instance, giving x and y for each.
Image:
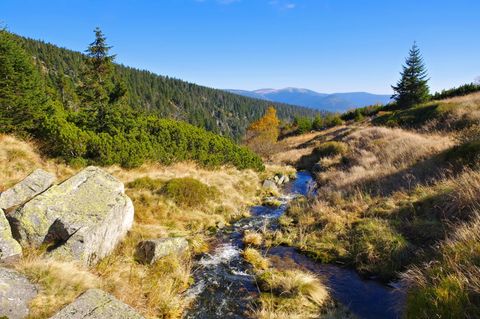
(225, 288)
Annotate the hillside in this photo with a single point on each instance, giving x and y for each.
(334, 102)
(397, 200)
(215, 110)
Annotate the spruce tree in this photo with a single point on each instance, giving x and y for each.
(412, 88)
(101, 91)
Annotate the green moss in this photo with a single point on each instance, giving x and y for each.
(188, 192)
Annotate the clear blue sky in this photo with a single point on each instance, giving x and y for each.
(324, 45)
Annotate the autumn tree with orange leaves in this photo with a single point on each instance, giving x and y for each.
(262, 135)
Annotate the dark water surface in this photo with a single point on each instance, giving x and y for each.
(224, 287)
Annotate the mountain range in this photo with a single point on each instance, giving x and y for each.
(334, 102)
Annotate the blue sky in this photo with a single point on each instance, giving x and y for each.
(324, 45)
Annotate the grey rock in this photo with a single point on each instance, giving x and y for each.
(269, 184)
(97, 304)
(32, 185)
(16, 292)
(83, 218)
(149, 251)
(10, 249)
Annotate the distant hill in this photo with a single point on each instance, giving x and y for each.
(335, 102)
(215, 110)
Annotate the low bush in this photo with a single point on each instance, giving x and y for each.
(146, 183)
(188, 192)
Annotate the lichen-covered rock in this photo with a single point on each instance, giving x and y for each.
(16, 292)
(9, 248)
(97, 304)
(82, 218)
(149, 251)
(32, 185)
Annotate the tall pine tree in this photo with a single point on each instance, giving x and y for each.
(412, 88)
(101, 92)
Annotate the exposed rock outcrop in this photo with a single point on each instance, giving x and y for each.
(97, 304)
(15, 294)
(149, 251)
(82, 218)
(9, 248)
(32, 185)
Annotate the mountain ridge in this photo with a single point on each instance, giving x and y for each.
(332, 102)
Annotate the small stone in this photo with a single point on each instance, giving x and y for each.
(10, 249)
(269, 184)
(97, 304)
(31, 186)
(149, 251)
(16, 292)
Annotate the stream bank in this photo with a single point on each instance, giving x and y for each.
(225, 288)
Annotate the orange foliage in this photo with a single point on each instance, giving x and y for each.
(262, 135)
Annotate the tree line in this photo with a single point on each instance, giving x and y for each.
(91, 120)
(218, 111)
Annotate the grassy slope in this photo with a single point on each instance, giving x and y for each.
(153, 290)
(395, 198)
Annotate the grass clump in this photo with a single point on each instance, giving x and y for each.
(188, 192)
(60, 283)
(254, 258)
(290, 294)
(448, 287)
(251, 238)
(377, 247)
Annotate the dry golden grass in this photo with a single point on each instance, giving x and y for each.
(376, 152)
(60, 283)
(251, 238)
(291, 149)
(291, 293)
(19, 158)
(255, 258)
(449, 286)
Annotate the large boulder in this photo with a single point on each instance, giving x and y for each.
(16, 292)
(149, 251)
(32, 185)
(97, 304)
(82, 218)
(9, 248)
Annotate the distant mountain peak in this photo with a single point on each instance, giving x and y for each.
(334, 102)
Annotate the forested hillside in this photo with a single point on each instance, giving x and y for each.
(214, 110)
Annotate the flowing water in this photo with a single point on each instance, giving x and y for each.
(224, 287)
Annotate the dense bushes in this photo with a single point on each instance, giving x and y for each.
(460, 91)
(188, 192)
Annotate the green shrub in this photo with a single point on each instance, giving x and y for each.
(377, 248)
(146, 183)
(188, 192)
(329, 149)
